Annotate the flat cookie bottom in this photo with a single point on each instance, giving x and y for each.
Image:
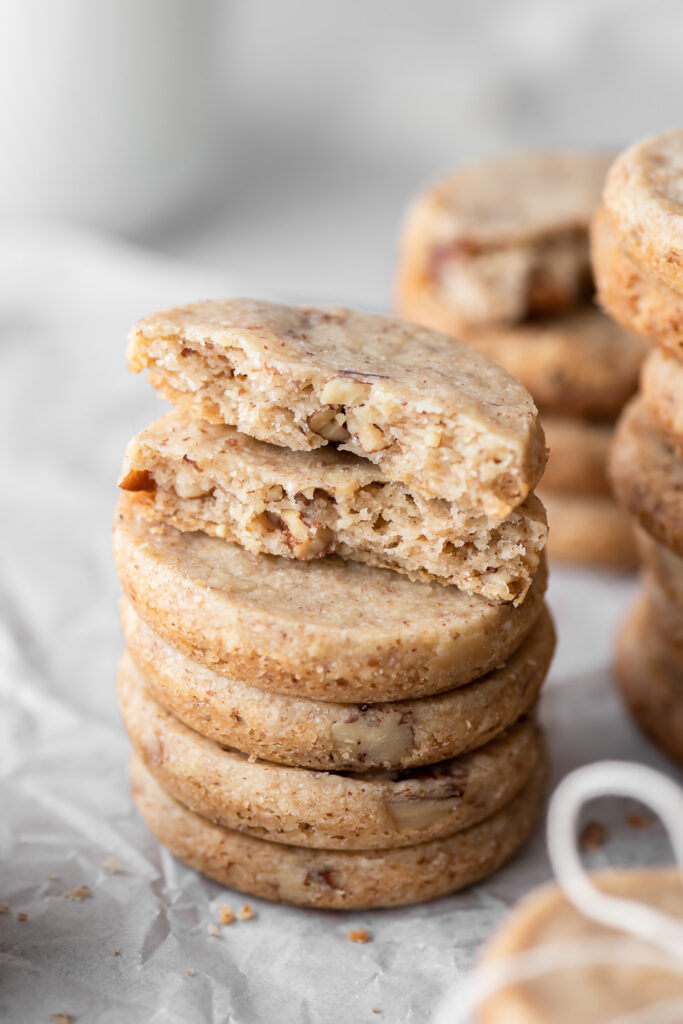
(634, 300)
(579, 451)
(338, 879)
(328, 735)
(651, 689)
(590, 530)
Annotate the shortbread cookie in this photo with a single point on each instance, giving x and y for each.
(661, 384)
(502, 239)
(578, 452)
(332, 629)
(647, 475)
(592, 991)
(338, 879)
(590, 530)
(651, 687)
(445, 422)
(326, 810)
(644, 200)
(634, 300)
(665, 566)
(200, 476)
(326, 735)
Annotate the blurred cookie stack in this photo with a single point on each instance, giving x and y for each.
(637, 247)
(333, 568)
(497, 255)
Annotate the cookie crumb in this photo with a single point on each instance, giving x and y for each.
(4, 908)
(637, 820)
(52, 877)
(225, 915)
(190, 973)
(358, 935)
(61, 1018)
(111, 865)
(116, 952)
(213, 929)
(246, 913)
(21, 916)
(82, 892)
(593, 836)
(376, 1009)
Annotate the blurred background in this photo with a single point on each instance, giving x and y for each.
(278, 141)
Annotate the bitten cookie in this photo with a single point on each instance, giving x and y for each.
(338, 879)
(302, 505)
(590, 991)
(590, 529)
(326, 810)
(327, 735)
(327, 628)
(432, 414)
(501, 240)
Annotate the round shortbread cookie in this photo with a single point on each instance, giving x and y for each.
(665, 566)
(350, 737)
(337, 630)
(593, 992)
(578, 453)
(590, 530)
(502, 239)
(644, 198)
(639, 304)
(661, 385)
(651, 687)
(430, 413)
(325, 810)
(647, 475)
(338, 879)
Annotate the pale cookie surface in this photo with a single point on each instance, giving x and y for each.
(432, 415)
(200, 476)
(502, 239)
(647, 475)
(591, 530)
(326, 810)
(327, 735)
(661, 385)
(578, 452)
(326, 628)
(338, 879)
(649, 684)
(592, 993)
(644, 197)
(633, 299)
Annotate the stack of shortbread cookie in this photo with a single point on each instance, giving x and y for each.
(497, 254)
(637, 242)
(333, 568)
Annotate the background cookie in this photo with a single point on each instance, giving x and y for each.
(578, 454)
(591, 530)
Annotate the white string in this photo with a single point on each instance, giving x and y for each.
(659, 930)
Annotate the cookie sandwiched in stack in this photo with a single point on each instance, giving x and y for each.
(637, 244)
(333, 567)
(497, 255)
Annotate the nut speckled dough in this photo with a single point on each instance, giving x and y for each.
(591, 530)
(326, 810)
(338, 879)
(644, 197)
(304, 505)
(431, 414)
(661, 385)
(327, 628)
(327, 735)
(633, 299)
(502, 239)
(591, 993)
(649, 683)
(648, 475)
(578, 453)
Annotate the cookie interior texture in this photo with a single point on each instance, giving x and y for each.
(433, 415)
(327, 628)
(303, 505)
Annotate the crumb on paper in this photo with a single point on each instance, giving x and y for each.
(213, 929)
(190, 973)
(637, 820)
(358, 935)
(376, 1009)
(61, 1018)
(82, 892)
(52, 876)
(111, 865)
(246, 913)
(225, 914)
(593, 836)
(116, 952)
(4, 908)
(21, 916)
